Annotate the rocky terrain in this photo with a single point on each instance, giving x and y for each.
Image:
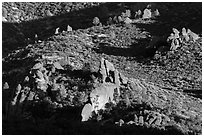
(71, 66)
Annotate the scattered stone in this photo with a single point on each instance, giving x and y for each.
(176, 32)
(58, 66)
(4, 19)
(26, 79)
(156, 13)
(141, 120)
(121, 122)
(192, 35)
(110, 21)
(48, 13)
(69, 28)
(115, 19)
(158, 120)
(18, 88)
(6, 86)
(39, 75)
(86, 112)
(57, 31)
(127, 21)
(147, 14)
(120, 20)
(128, 13)
(185, 35)
(4, 13)
(37, 66)
(135, 118)
(96, 21)
(130, 122)
(138, 14)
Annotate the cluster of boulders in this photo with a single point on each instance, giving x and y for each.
(175, 39)
(148, 118)
(127, 18)
(57, 30)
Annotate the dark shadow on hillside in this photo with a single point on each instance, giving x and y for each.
(194, 93)
(138, 50)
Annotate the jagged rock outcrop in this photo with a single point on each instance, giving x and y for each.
(176, 39)
(140, 92)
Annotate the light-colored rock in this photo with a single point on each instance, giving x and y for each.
(86, 112)
(156, 13)
(4, 19)
(147, 14)
(127, 21)
(6, 85)
(176, 33)
(38, 66)
(120, 19)
(121, 122)
(185, 36)
(102, 70)
(39, 75)
(193, 36)
(102, 95)
(18, 88)
(174, 44)
(48, 13)
(58, 66)
(135, 118)
(57, 31)
(96, 21)
(130, 122)
(128, 13)
(141, 120)
(109, 67)
(26, 79)
(138, 14)
(69, 28)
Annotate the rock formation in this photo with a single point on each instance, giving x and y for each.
(147, 14)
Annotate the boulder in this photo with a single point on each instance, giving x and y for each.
(69, 28)
(138, 14)
(96, 21)
(141, 120)
(176, 33)
(37, 66)
(193, 36)
(185, 36)
(6, 86)
(120, 19)
(58, 66)
(57, 31)
(147, 14)
(102, 95)
(135, 119)
(127, 21)
(26, 79)
(156, 13)
(86, 112)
